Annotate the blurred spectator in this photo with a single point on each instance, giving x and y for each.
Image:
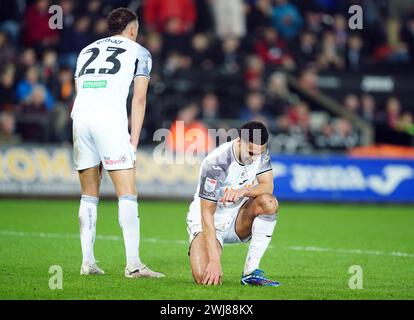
(204, 22)
(74, 40)
(65, 95)
(173, 63)
(10, 15)
(28, 97)
(26, 59)
(352, 104)
(159, 13)
(254, 111)
(176, 64)
(407, 35)
(393, 112)
(314, 22)
(7, 94)
(63, 89)
(254, 72)
(344, 136)
(100, 29)
(400, 55)
(273, 50)
(231, 57)
(68, 7)
(7, 50)
(337, 136)
(299, 116)
(49, 68)
(287, 19)
(354, 53)
(210, 107)
(33, 119)
(64, 92)
(35, 101)
(368, 108)
(283, 124)
(37, 32)
(174, 40)
(7, 129)
(93, 9)
(194, 137)
(154, 45)
(308, 79)
(259, 16)
(374, 30)
(341, 31)
(305, 49)
(330, 57)
(278, 97)
(201, 52)
(405, 123)
(229, 18)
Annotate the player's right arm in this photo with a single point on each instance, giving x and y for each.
(211, 178)
(213, 271)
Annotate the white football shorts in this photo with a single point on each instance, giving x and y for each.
(101, 138)
(225, 228)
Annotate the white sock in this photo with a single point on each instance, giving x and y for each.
(129, 222)
(87, 221)
(262, 231)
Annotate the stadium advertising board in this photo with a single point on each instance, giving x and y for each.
(49, 171)
(343, 179)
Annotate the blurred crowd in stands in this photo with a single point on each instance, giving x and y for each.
(215, 62)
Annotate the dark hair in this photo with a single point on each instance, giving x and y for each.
(118, 19)
(254, 132)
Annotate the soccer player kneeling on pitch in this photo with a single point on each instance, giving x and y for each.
(104, 72)
(234, 203)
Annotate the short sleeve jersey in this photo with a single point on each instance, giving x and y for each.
(104, 72)
(221, 170)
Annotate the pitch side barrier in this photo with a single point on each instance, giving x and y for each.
(48, 171)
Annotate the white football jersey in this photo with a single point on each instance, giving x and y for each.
(104, 72)
(221, 170)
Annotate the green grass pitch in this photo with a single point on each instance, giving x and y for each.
(311, 252)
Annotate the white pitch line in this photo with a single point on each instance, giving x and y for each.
(184, 242)
(352, 251)
(76, 236)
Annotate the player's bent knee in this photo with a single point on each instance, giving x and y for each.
(268, 203)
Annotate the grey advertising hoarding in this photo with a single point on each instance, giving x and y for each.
(34, 170)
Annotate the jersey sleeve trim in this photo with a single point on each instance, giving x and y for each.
(263, 171)
(204, 198)
(142, 75)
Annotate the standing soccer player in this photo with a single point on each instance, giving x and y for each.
(104, 72)
(234, 203)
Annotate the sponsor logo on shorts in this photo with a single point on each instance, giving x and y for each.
(111, 162)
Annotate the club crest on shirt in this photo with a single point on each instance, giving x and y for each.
(210, 185)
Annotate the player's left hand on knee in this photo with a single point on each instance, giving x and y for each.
(232, 195)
